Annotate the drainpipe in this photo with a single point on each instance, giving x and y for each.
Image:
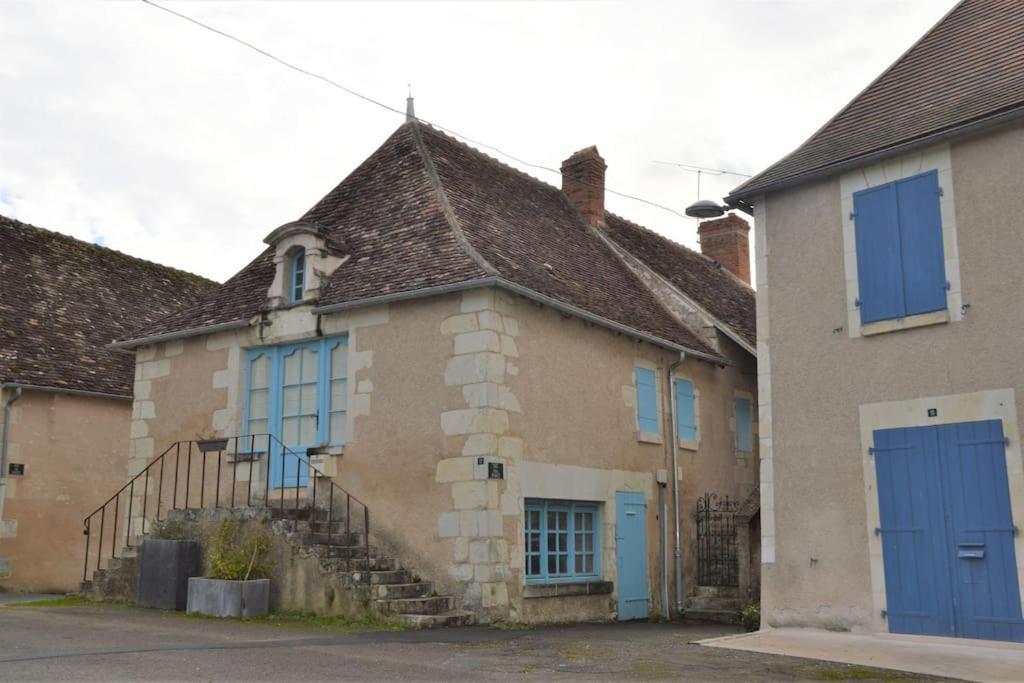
(3, 449)
(675, 481)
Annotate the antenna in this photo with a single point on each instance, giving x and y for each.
(703, 208)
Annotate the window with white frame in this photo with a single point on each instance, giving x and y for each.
(744, 413)
(563, 541)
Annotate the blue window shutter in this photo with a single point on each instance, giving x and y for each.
(646, 401)
(879, 261)
(744, 426)
(686, 414)
(924, 262)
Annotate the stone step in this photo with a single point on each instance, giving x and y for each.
(335, 538)
(714, 603)
(346, 552)
(450, 618)
(360, 564)
(716, 616)
(395, 591)
(430, 605)
(717, 591)
(384, 578)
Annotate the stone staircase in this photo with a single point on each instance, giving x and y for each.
(375, 579)
(719, 604)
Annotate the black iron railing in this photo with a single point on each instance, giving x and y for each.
(717, 563)
(185, 477)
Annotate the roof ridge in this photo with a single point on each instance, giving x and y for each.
(446, 208)
(53, 234)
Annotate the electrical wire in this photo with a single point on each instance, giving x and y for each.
(367, 98)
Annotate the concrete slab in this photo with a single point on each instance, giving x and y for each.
(972, 660)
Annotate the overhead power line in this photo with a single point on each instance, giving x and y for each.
(371, 100)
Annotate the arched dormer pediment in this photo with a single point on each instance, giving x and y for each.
(305, 255)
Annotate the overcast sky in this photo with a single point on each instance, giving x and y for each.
(126, 126)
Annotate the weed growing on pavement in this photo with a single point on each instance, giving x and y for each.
(326, 622)
(66, 601)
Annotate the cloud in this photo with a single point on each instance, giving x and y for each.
(124, 124)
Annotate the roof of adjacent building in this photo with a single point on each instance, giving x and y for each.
(427, 211)
(967, 69)
(65, 300)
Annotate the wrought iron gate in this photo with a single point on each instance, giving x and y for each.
(716, 541)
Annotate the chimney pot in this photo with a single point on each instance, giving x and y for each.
(727, 241)
(583, 184)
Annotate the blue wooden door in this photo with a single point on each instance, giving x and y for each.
(631, 555)
(947, 531)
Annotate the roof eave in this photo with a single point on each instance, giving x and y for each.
(65, 390)
(180, 334)
(742, 196)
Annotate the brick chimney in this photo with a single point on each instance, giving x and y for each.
(583, 184)
(725, 240)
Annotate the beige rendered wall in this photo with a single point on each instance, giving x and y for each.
(819, 380)
(435, 384)
(73, 449)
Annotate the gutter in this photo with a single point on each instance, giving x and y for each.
(6, 439)
(671, 388)
(502, 283)
(61, 390)
(741, 199)
(180, 334)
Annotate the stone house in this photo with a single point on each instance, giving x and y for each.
(66, 398)
(502, 371)
(890, 330)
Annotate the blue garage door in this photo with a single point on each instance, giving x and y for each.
(947, 531)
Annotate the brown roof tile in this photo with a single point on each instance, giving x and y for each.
(968, 67)
(64, 300)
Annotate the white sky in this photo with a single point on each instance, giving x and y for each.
(124, 125)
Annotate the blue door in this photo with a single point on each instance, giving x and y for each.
(947, 531)
(631, 555)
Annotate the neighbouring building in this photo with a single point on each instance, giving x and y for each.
(890, 345)
(501, 370)
(66, 397)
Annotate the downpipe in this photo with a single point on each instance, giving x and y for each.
(3, 448)
(674, 474)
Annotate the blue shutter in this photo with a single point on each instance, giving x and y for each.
(686, 414)
(646, 401)
(924, 263)
(744, 426)
(879, 261)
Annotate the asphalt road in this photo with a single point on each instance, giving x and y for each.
(101, 642)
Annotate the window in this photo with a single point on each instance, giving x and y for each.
(901, 266)
(298, 392)
(686, 410)
(562, 541)
(646, 401)
(744, 425)
(298, 275)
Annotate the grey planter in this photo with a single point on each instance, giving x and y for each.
(165, 566)
(223, 598)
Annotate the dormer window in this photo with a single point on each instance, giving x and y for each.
(298, 269)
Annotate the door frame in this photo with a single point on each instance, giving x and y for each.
(997, 404)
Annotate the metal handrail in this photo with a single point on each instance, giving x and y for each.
(237, 458)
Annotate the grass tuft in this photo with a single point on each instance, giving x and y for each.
(66, 601)
(325, 622)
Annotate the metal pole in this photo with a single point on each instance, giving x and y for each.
(85, 569)
(252, 457)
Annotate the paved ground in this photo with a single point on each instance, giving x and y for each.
(12, 598)
(979, 660)
(109, 642)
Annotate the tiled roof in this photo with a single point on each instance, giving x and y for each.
(710, 286)
(969, 67)
(64, 300)
(425, 210)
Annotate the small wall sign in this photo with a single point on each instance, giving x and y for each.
(495, 470)
(16, 469)
(933, 412)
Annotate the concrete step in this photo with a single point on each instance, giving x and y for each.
(455, 617)
(384, 578)
(717, 591)
(395, 591)
(430, 605)
(716, 616)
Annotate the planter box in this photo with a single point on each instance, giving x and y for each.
(222, 598)
(212, 445)
(164, 570)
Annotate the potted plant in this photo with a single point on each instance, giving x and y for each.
(239, 568)
(168, 558)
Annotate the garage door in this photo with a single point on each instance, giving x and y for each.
(947, 531)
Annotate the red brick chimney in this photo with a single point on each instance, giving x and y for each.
(725, 240)
(583, 184)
